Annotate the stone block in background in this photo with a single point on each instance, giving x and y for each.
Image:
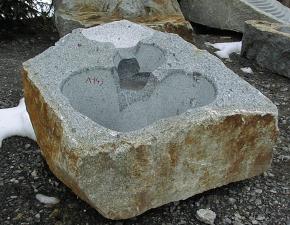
(232, 14)
(162, 15)
(269, 45)
(285, 2)
(131, 118)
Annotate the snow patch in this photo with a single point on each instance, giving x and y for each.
(46, 199)
(226, 49)
(247, 70)
(15, 122)
(121, 34)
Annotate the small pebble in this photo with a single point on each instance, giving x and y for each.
(260, 217)
(255, 222)
(237, 223)
(284, 89)
(206, 215)
(228, 220)
(13, 180)
(258, 202)
(34, 174)
(232, 200)
(259, 191)
(237, 215)
(46, 199)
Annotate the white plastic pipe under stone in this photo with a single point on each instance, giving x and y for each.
(15, 122)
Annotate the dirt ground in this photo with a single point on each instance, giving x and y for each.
(261, 200)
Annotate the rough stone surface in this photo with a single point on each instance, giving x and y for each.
(162, 15)
(185, 140)
(231, 15)
(269, 45)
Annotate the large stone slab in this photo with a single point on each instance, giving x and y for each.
(269, 45)
(162, 15)
(130, 118)
(232, 14)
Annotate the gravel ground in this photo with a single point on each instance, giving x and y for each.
(23, 172)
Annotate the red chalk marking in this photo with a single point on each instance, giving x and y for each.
(94, 81)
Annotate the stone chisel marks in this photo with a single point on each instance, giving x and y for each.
(272, 7)
(232, 14)
(131, 126)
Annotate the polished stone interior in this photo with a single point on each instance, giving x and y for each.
(129, 97)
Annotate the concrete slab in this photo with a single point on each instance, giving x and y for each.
(130, 126)
(160, 15)
(232, 14)
(269, 45)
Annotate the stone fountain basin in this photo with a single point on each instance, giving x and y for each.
(131, 119)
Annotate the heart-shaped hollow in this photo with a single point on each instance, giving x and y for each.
(128, 96)
(97, 94)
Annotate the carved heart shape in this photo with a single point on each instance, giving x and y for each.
(129, 97)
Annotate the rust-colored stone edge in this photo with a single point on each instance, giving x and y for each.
(184, 29)
(171, 24)
(256, 132)
(244, 144)
(49, 133)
